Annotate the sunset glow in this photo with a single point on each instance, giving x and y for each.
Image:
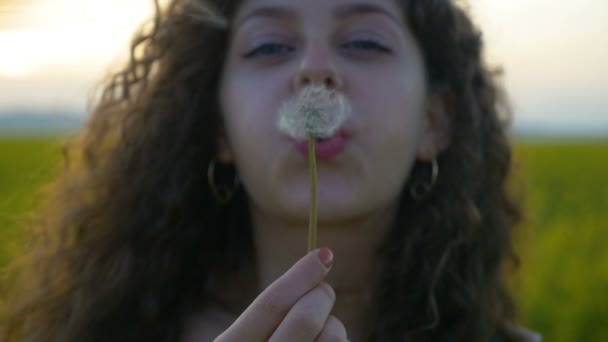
(57, 33)
(554, 54)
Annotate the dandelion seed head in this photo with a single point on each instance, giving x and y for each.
(316, 111)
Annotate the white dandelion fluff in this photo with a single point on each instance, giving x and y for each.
(316, 111)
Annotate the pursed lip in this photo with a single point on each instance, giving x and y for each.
(326, 148)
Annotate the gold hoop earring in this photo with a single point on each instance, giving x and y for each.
(421, 189)
(221, 192)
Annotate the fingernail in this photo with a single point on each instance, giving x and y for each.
(326, 257)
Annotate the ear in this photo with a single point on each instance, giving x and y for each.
(437, 131)
(224, 151)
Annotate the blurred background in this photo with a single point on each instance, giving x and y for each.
(555, 57)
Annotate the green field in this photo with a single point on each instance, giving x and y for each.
(562, 285)
(26, 164)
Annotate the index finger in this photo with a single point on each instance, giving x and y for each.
(267, 311)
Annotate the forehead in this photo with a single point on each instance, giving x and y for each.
(293, 9)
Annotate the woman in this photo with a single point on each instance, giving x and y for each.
(183, 210)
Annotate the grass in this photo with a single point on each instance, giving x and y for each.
(562, 286)
(25, 165)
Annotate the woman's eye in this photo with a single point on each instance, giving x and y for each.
(269, 49)
(367, 45)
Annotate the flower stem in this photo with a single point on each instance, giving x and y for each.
(312, 223)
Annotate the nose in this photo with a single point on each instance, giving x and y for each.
(317, 67)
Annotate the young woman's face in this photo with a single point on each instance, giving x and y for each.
(362, 49)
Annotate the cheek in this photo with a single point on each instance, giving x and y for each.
(393, 107)
(393, 120)
(244, 111)
(250, 100)
(250, 125)
(244, 124)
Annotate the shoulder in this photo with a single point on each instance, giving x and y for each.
(206, 326)
(523, 334)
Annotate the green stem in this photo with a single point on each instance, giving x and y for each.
(312, 223)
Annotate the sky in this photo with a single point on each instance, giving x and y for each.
(554, 53)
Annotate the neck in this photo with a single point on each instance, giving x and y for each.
(279, 244)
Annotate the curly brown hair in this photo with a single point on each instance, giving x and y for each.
(132, 232)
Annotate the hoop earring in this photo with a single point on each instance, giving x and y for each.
(221, 192)
(421, 189)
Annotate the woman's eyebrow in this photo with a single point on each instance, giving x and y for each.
(268, 12)
(363, 8)
(340, 12)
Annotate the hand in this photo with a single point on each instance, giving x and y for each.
(294, 308)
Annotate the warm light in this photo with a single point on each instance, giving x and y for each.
(83, 35)
(15, 61)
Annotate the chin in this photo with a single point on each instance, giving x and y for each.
(332, 206)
